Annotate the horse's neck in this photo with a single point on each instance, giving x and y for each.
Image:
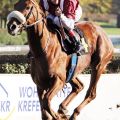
(41, 40)
(40, 62)
(34, 41)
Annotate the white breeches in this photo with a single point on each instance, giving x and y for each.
(68, 23)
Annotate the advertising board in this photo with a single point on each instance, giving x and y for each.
(19, 100)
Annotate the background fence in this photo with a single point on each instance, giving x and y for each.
(13, 59)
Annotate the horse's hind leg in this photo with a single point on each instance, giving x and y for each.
(91, 92)
(57, 86)
(77, 86)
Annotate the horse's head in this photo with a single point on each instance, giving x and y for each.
(26, 14)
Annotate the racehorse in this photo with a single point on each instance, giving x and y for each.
(49, 63)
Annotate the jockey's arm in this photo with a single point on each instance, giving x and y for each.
(68, 23)
(70, 16)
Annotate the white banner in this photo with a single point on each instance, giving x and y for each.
(19, 101)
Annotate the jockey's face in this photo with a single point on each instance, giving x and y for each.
(55, 1)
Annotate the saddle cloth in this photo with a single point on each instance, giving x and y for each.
(66, 44)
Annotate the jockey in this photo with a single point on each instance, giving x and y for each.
(69, 12)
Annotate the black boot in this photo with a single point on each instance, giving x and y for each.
(78, 47)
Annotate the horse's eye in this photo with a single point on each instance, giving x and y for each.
(27, 8)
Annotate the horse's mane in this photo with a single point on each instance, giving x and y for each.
(35, 2)
(38, 6)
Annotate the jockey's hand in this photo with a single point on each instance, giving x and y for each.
(58, 12)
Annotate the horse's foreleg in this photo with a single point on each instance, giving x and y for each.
(77, 86)
(91, 92)
(41, 94)
(58, 85)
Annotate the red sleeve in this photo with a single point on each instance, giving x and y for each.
(69, 8)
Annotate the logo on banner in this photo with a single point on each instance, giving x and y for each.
(5, 104)
(18, 98)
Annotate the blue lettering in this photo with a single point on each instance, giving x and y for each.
(35, 92)
(4, 106)
(33, 105)
(8, 106)
(28, 92)
(20, 106)
(65, 92)
(25, 106)
(22, 91)
(37, 106)
(28, 106)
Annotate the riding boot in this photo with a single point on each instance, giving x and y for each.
(78, 47)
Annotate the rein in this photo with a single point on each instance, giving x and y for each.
(37, 21)
(24, 21)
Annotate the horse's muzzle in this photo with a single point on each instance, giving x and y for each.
(13, 27)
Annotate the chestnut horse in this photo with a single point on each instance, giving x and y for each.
(49, 63)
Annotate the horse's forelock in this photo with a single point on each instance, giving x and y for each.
(18, 15)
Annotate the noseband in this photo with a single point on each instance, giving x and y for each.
(25, 25)
(37, 21)
(27, 17)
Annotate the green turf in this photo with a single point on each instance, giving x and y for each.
(112, 31)
(110, 28)
(7, 39)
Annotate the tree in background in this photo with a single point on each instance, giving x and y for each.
(89, 6)
(97, 6)
(116, 10)
(102, 6)
(92, 8)
(5, 7)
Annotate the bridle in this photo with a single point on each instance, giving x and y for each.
(25, 25)
(36, 22)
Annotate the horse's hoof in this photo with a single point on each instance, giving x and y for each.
(62, 110)
(56, 116)
(63, 113)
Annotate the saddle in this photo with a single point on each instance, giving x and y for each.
(67, 44)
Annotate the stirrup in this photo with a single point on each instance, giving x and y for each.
(79, 49)
(84, 44)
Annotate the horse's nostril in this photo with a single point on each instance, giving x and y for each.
(13, 27)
